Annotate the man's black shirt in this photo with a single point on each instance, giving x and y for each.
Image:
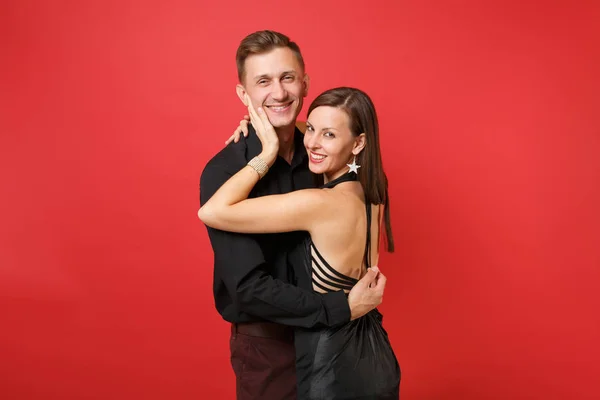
(254, 275)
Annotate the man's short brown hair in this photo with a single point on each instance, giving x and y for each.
(262, 42)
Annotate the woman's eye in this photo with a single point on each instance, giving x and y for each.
(329, 134)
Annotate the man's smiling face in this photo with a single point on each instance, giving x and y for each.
(275, 80)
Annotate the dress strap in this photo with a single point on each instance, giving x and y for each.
(350, 176)
(368, 244)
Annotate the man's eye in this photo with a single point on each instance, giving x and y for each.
(288, 78)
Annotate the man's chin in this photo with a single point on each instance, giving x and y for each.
(283, 122)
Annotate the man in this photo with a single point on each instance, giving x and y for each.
(254, 275)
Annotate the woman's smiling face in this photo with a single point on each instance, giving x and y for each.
(329, 142)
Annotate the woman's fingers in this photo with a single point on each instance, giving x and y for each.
(263, 117)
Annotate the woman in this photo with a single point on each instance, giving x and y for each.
(343, 218)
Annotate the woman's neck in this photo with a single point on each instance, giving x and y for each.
(328, 177)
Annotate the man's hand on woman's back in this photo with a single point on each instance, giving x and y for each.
(367, 293)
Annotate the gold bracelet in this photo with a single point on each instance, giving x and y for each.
(259, 166)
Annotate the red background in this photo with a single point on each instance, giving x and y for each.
(491, 140)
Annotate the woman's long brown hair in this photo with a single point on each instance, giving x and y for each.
(363, 119)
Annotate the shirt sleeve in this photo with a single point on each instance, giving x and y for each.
(240, 263)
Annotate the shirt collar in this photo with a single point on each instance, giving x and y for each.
(300, 154)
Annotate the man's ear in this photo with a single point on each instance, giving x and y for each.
(359, 144)
(306, 85)
(241, 92)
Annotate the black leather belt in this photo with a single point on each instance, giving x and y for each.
(263, 329)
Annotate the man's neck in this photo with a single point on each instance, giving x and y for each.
(286, 142)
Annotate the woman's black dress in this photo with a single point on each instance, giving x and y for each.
(352, 361)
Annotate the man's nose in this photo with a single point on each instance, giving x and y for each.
(278, 92)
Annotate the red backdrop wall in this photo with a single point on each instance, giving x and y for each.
(491, 140)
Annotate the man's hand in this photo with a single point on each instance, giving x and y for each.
(239, 131)
(367, 293)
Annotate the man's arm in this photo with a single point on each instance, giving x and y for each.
(239, 263)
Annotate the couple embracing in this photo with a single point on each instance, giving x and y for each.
(295, 220)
